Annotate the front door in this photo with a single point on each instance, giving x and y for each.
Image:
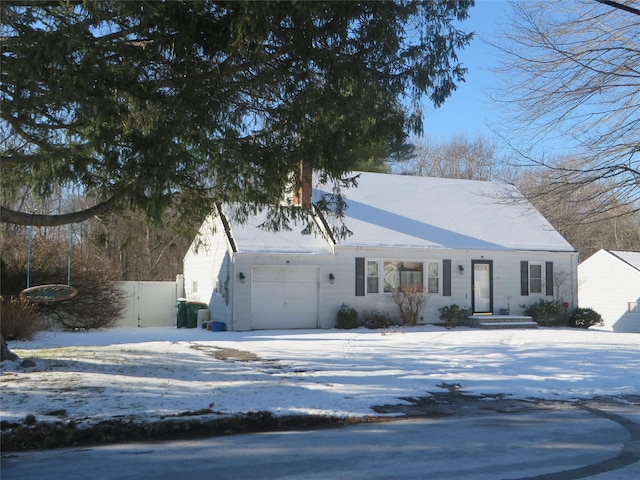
(482, 282)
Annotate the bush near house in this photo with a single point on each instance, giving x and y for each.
(347, 317)
(410, 299)
(584, 318)
(377, 319)
(451, 315)
(549, 313)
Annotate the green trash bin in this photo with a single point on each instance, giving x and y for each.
(181, 313)
(192, 313)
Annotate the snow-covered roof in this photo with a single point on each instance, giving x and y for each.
(388, 210)
(250, 238)
(632, 258)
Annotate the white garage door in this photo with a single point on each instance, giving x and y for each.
(284, 297)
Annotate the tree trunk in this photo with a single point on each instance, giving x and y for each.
(5, 353)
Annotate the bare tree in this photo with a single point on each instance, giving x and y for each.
(460, 157)
(139, 250)
(571, 73)
(590, 218)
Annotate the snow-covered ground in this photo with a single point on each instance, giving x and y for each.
(154, 373)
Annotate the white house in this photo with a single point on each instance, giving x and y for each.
(462, 240)
(609, 283)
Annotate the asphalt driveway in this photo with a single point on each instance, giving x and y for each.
(599, 440)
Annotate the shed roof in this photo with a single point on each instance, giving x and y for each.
(630, 257)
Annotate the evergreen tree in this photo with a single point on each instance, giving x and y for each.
(186, 103)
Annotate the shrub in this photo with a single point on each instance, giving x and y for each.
(546, 312)
(451, 315)
(20, 319)
(584, 318)
(410, 299)
(99, 304)
(376, 319)
(346, 317)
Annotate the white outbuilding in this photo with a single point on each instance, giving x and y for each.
(609, 283)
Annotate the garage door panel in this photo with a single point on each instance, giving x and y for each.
(284, 297)
(268, 275)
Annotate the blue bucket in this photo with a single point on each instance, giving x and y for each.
(218, 326)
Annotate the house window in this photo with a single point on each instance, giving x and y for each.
(373, 277)
(402, 274)
(194, 286)
(387, 276)
(433, 279)
(634, 307)
(535, 278)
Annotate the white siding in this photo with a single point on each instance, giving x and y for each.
(244, 300)
(607, 285)
(506, 279)
(208, 271)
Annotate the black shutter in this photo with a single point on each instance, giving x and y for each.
(524, 278)
(359, 276)
(548, 276)
(446, 278)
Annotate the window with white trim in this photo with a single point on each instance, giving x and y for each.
(634, 307)
(387, 276)
(535, 277)
(373, 277)
(433, 278)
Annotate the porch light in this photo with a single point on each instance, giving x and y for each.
(332, 279)
(241, 277)
(461, 269)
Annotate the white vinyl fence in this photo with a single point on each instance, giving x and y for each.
(150, 304)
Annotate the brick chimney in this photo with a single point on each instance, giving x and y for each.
(302, 195)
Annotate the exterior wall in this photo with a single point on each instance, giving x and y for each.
(325, 264)
(506, 280)
(208, 271)
(607, 285)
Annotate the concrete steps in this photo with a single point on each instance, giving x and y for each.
(500, 321)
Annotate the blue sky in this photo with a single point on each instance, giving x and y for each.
(468, 110)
